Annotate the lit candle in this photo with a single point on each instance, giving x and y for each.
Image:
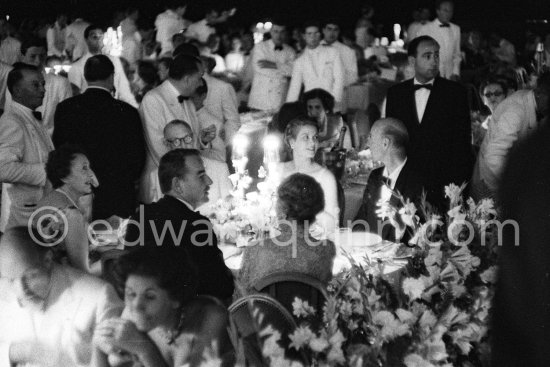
(396, 30)
(271, 149)
(238, 152)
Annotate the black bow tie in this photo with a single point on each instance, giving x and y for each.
(420, 86)
(182, 98)
(278, 48)
(445, 25)
(37, 115)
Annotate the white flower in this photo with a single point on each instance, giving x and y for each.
(337, 339)
(436, 350)
(318, 345)
(458, 290)
(453, 192)
(336, 355)
(486, 207)
(489, 275)
(346, 309)
(300, 337)
(391, 327)
(405, 316)
(413, 288)
(271, 347)
(427, 320)
(407, 213)
(302, 308)
(373, 297)
(414, 360)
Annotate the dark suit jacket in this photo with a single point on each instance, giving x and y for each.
(440, 146)
(193, 237)
(111, 134)
(408, 184)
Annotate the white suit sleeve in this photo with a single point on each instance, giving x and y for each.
(151, 115)
(339, 75)
(76, 76)
(295, 83)
(12, 170)
(501, 136)
(351, 67)
(122, 85)
(232, 120)
(457, 55)
(285, 69)
(52, 50)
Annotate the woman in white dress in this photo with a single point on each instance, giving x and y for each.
(302, 137)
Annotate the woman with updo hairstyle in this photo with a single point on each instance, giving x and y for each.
(60, 215)
(299, 200)
(320, 104)
(164, 322)
(301, 138)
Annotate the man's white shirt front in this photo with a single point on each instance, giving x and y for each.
(421, 97)
(394, 175)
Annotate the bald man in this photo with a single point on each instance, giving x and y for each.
(388, 141)
(48, 311)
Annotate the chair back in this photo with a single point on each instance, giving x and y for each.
(285, 287)
(242, 312)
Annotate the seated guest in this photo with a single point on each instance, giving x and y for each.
(178, 134)
(493, 91)
(49, 311)
(234, 60)
(387, 141)
(301, 136)
(71, 176)
(300, 199)
(320, 104)
(162, 323)
(185, 185)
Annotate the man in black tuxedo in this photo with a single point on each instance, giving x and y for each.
(387, 141)
(172, 222)
(436, 114)
(111, 133)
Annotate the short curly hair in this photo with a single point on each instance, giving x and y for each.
(295, 125)
(300, 197)
(59, 162)
(327, 100)
(175, 274)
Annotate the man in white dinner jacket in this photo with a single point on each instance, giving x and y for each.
(318, 67)
(94, 41)
(24, 144)
(49, 311)
(447, 36)
(167, 102)
(331, 32)
(272, 63)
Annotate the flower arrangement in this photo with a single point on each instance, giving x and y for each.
(434, 312)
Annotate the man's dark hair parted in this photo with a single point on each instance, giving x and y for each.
(32, 41)
(173, 165)
(183, 65)
(16, 74)
(413, 46)
(90, 28)
(98, 67)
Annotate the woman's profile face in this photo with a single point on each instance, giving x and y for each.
(81, 178)
(315, 109)
(493, 94)
(146, 304)
(306, 142)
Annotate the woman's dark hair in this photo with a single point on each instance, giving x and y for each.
(327, 100)
(301, 197)
(59, 162)
(288, 112)
(493, 80)
(173, 272)
(294, 126)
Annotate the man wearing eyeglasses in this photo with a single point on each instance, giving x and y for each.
(49, 311)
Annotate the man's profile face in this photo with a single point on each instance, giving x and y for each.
(426, 62)
(375, 144)
(35, 56)
(331, 33)
(312, 36)
(95, 41)
(277, 34)
(196, 182)
(445, 12)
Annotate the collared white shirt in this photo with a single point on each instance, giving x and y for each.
(56, 38)
(167, 24)
(421, 97)
(395, 174)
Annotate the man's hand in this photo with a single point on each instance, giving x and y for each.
(208, 134)
(266, 64)
(386, 210)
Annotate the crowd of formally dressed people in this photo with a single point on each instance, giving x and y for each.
(151, 130)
